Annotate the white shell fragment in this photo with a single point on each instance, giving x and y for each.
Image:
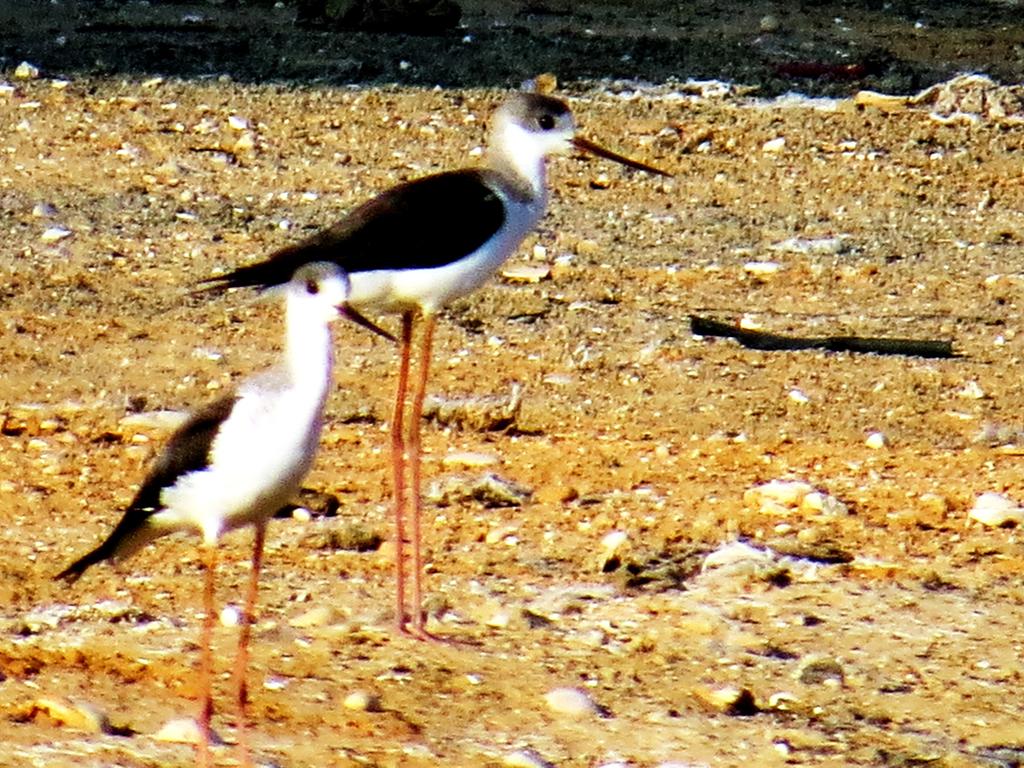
(55, 235)
(996, 510)
(526, 273)
(571, 702)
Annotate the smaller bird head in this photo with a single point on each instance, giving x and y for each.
(322, 287)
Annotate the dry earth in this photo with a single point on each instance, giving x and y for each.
(888, 635)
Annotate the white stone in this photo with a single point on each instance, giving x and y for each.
(774, 146)
(55, 234)
(972, 391)
(799, 396)
(995, 510)
(26, 71)
(184, 730)
(362, 701)
(238, 123)
(571, 702)
(876, 440)
(612, 546)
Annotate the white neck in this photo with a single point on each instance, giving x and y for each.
(309, 353)
(516, 154)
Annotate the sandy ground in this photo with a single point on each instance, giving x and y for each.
(872, 624)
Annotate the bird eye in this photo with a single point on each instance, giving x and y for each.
(312, 287)
(546, 122)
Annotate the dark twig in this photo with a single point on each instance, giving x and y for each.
(703, 326)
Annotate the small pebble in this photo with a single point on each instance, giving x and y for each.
(526, 273)
(44, 211)
(525, 758)
(230, 616)
(821, 671)
(972, 391)
(762, 268)
(496, 535)
(26, 71)
(245, 143)
(183, 730)
(769, 23)
(238, 123)
(55, 234)
(774, 146)
(787, 493)
(571, 702)
(726, 699)
(876, 440)
(362, 701)
(612, 547)
(799, 396)
(996, 510)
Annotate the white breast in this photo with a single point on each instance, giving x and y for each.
(432, 288)
(259, 459)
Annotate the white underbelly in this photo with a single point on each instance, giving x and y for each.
(432, 288)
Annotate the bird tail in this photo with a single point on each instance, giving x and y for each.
(73, 572)
(135, 531)
(275, 270)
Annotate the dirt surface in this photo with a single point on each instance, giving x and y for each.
(873, 624)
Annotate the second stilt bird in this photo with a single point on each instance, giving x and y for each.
(418, 246)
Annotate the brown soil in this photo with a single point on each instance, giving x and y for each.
(629, 423)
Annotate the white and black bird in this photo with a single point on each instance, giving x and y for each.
(237, 461)
(419, 245)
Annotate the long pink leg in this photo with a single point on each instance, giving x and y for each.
(206, 661)
(416, 494)
(244, 634)
(398, 470)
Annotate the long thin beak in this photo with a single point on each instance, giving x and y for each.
(358, 319)
(596, 149)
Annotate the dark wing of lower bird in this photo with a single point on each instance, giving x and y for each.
(424, 223)
(188, 450)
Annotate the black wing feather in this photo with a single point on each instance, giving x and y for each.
(188, 450)
(424, 223)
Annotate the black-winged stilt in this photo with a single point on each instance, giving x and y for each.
(421, 244)
(236, 462)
